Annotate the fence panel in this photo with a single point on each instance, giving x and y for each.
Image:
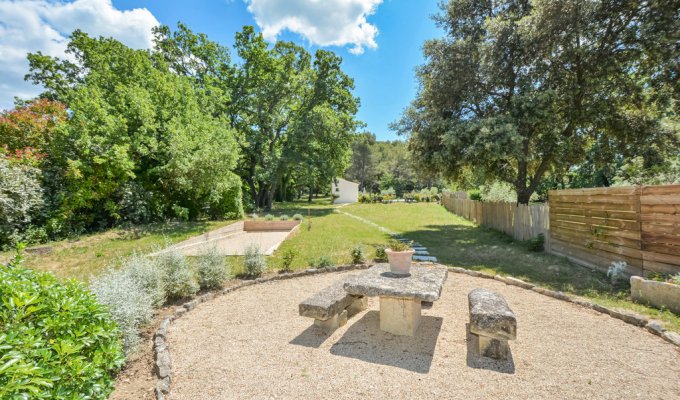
(660, 228)
(519, 221)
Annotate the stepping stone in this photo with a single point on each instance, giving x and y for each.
(419, 248)
(416, 244)
(425, 258)
(421, 253)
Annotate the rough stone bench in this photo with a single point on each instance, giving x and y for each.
(332, 306)
(492, 320)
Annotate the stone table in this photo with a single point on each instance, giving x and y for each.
(400, 296)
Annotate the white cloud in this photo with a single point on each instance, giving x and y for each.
(32, 25)
(322, 22)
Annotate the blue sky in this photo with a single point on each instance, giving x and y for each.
(388, 35)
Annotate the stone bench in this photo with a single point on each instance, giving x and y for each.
(492, 320)
(332, 306)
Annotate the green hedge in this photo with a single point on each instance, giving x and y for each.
(56, 340)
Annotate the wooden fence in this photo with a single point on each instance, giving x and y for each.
(519, 221)
(595, 227)
(637, 224)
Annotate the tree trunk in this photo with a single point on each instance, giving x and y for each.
(311, 193)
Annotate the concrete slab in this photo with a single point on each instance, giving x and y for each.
(232, 240)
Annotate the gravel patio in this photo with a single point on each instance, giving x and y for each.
(251, 343)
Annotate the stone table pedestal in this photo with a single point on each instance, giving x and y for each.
(400, 296)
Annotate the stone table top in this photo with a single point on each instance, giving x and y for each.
(424, 283)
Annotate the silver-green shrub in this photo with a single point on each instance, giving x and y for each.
(298, 217)
(284, 217)
(180, 281)
(149, 274)
(129, 304)
(254, 262)
(212, 269)
(268, 217)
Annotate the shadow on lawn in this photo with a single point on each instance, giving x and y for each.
(365, 341)
(481, 248)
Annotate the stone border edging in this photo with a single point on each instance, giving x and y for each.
(653, 326)
(162, 363)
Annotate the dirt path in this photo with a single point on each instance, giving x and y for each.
(252, 344)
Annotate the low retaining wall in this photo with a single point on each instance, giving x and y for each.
(264, 226)
(657, 294)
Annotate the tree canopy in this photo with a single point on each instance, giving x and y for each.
(178, 131)
(518, 90)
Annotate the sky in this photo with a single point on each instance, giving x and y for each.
(380, 41)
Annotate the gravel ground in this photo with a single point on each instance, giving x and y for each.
(251, 344)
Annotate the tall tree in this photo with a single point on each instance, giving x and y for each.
(289, 110)
(138, 137)
(520, 88)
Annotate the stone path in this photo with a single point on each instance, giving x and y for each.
(421, 254)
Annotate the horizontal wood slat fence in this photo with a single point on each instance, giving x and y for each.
(594, 227)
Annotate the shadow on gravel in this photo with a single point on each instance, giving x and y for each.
(365, 341)
(474, 360)
(313, 336)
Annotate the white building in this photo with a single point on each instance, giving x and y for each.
(346, 191)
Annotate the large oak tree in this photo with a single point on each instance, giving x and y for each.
(518, 89)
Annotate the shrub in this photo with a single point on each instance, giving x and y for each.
(536, 244)
(56, 340)
(254, 262)
(268, 217)
(130, 305)
(675, 279)
(321, 262)
(180, 281)
(617, 272)
(21, 199)
(475, 195)
(380, 254)
(148, 274)
(284, 217)
(358, 255)
(298, 217)
(288, 257)
(212, 269)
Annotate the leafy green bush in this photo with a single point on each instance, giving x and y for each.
(212, 269)
(357, 254)
(284, 217)
(288, 257)
(254, 263)
(475, 195)
(180, 281)
(298, 217)
(268, 217)
(536, 244)
(56, 340)
(380, 254)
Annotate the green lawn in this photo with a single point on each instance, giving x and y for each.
(325, 233)
(458, 242)
(91, 253)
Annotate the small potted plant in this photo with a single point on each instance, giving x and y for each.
(399, 256)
